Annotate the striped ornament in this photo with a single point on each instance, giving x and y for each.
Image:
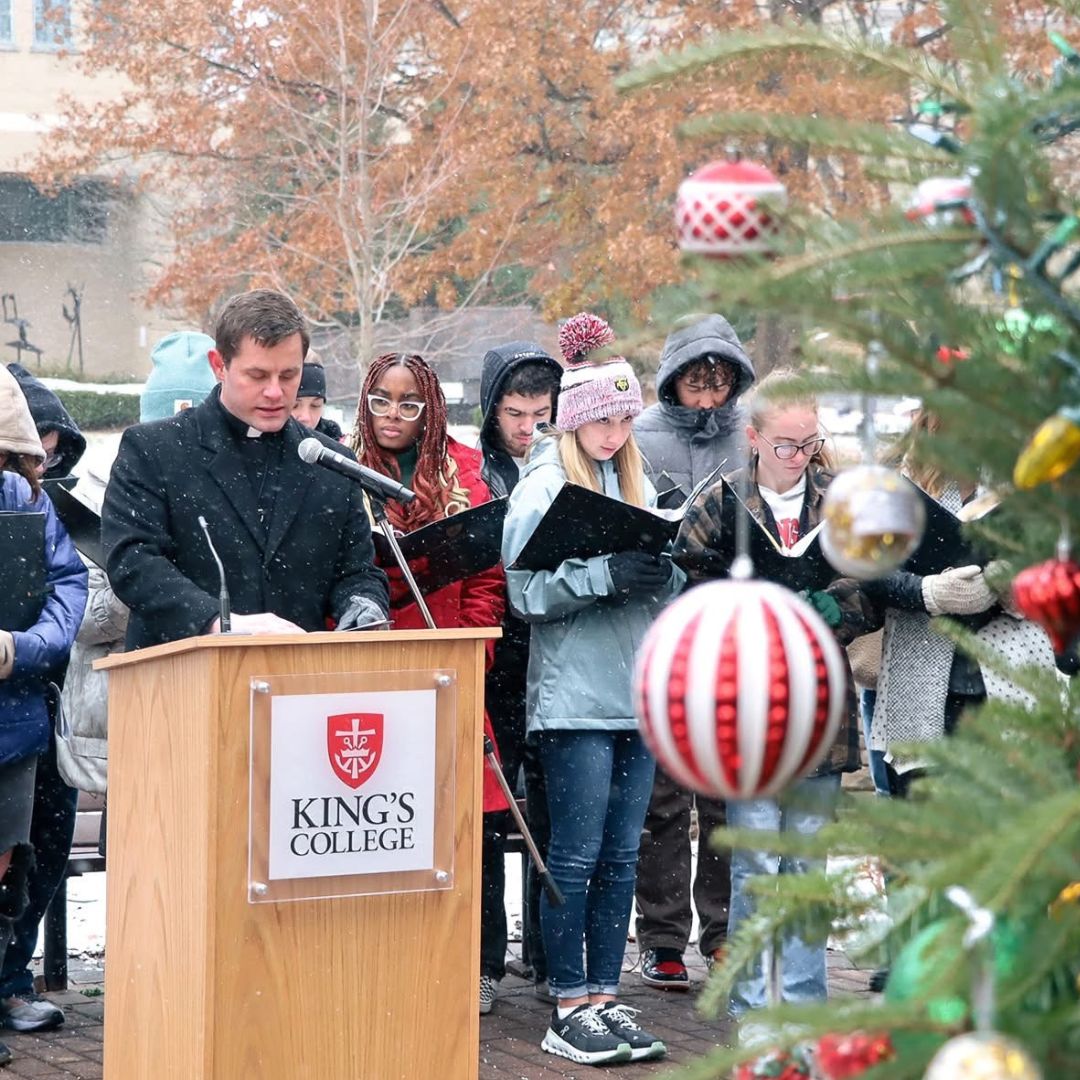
(739, 688)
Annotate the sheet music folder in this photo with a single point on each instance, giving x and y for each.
(450, 549)
(22, 549)
(802, 566)
(581, 524)
(83, 524)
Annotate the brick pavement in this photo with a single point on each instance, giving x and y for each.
(509, 1036)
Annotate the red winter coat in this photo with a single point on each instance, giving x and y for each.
(477, 601)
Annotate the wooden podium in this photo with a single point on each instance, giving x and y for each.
(203, 983)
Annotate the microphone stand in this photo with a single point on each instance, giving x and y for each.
(378, 512)
(555, 897)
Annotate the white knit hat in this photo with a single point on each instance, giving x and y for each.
(588, 391)
(18, 435)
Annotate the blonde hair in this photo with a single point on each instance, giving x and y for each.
(780, 390)
(580, 469)
(904, 455)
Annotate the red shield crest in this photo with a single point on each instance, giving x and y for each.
(354, 745)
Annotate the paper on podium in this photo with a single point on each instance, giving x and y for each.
(581, 524)
(450, 549)
(83, 524)
(22, 551)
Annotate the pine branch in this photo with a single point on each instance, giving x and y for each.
(898, 63)
(828, 133)
(975, 35)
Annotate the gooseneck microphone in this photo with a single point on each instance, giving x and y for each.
(223, 594)
(381, 487)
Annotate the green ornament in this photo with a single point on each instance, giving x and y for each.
(934, 969)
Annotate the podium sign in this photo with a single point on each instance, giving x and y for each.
(351, 784)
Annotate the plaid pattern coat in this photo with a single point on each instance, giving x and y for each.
(696, 552)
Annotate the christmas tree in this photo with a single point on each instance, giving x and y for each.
(968, 301)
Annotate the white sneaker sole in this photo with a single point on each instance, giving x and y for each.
(649, 1053)
(555, 1045)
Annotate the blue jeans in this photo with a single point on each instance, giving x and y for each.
(879, 771)
(808, 806)
(598, 787)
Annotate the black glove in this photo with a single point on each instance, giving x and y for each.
(636, 572)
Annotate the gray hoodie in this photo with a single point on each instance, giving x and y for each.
(688, 444)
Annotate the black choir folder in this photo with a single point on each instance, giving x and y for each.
(22, 554)
(580, 524)
(83, 524)
(450, 549)
(802, 566)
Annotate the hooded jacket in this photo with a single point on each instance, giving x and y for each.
(44, 647)
(687, 444)
(500, 471)
(50, 415)
(583, 638)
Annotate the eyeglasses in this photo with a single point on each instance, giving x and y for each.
(786, 451)
(53, 459)
(406, 410)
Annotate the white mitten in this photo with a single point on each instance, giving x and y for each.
(961, 590)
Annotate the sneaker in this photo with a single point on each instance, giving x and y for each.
(714, 958)
(542, 990)
(30, 1013)
(585, 1038)
(878, 980)
(620, 1021)
(664, 969)
(489, 987)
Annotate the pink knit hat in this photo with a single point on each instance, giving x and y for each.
(588, 391)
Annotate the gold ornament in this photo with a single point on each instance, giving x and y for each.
(874, 519)
(1052, 451)
(982, 1055)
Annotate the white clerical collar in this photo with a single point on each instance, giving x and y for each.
(254, 433)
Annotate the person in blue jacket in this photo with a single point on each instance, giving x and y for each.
(587, 617)
(28, 654)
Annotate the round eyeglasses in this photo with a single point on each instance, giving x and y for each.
(406, 410)
(786, 451)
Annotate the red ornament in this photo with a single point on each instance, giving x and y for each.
(932, 195)
(1049, 594)
(718, 213)
(948, 356)
(840, 1057)
(776, 1065)
(739, 689)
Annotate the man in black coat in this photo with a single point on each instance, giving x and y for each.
(294, 538)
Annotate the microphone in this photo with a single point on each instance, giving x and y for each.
(223, 595)
(381, 487)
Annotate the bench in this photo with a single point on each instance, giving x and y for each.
(84, 859)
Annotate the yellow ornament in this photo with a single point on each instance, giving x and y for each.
(873, 520)
(1052, 450)
(982, 1055)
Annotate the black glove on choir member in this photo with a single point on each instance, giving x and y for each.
(636, 571)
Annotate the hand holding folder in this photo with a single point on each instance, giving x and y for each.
(582, 524)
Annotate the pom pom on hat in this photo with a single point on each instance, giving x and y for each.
(587, 391)
(181, 378)
(583, 333)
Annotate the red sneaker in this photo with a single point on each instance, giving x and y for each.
(664, 969)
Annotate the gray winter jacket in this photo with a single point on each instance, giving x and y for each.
(582, 645)
(688, 444)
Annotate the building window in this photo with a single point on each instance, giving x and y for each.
(6, 36)
(52, 24)
(74, 215)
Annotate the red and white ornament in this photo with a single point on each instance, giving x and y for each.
(718, 210)
(932, 199)
(1049, 594)
(739, 688)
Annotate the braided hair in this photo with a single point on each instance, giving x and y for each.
(432, 481)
